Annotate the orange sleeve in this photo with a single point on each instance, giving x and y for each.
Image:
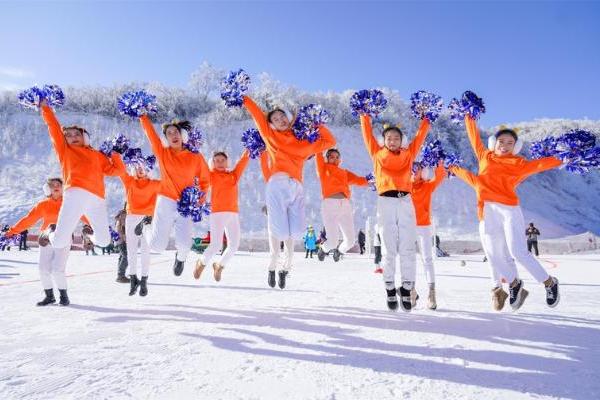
(155, 142)
(543, 164)
(474, 138)
(55, 130)
(203, 174)
(325, 141)
(241, 165)
(264, 165)
(258, 116)
(467, 176)
(417, 142)
(109, 167)
(354, 179)
(33, 216)
(320, 163)
(440, 174)
(119, 165)
(367, 131)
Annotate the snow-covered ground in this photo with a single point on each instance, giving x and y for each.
(328, 336)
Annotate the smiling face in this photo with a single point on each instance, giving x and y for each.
(279, 120)
(392, 140)
(174, 138)
(56, 188)
(505, 144)
(219, 162)
(333, 157)
(74, 137)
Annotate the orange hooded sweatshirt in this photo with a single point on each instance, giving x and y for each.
(178, 169)
(335, 179)
(140, 193)
(47, 210)
(82, 166)
(286, 152)
(392, 170)
(224, 186)
(421, 195)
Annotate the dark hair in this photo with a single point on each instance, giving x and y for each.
(180, 125)
(507, 131)
(220, 153)
(392, 128)
(76, 127)
(273, 111)
(332, 150)
(50, 180)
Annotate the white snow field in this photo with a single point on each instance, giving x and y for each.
(327, 336)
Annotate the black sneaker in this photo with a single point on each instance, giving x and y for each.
(552, 294)
(49, 299)
(392, 299)
(282, 275)
(64, 299)
(518, 294)
(135, 283)
(404, 292)
(144, 286)
(336, 255)
(139, 228)
(271, 279)
(321, 254)
(178, 266)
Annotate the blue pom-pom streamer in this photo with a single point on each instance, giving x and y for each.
(31, 98)
(194, 141)
(134, 157)
(307, 122)
(138, 103)
(188, 206)
(576, 149)
(151, 161)
(233, 88)
(106, 148)
(452, 160)
(12, 240)
(368, 102)
(426, 105)
(543, 148)
(432, 153)
(120, 144)
(253, 142)
(469, 103)
(114, 235)
(371, 181)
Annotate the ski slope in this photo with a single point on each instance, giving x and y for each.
(327, 336)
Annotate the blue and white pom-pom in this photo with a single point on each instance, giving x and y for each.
(432, 153)
(543, 148)
(307, 122)
(188, 205)
(31, 98)
(452, 160)
(576, 149)
(426, 105)
(12, 240)
(106, 148)
(119, 144)
(469, 103)
(114, 235)
(253, 142)
(371, 181)
(138, 103)
(134, 157)
(233, 88)
(194, 141)
(150, 162)
(368, 102)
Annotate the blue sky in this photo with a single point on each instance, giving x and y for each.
(526, 59)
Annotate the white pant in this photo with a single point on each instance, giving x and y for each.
(78, 202)
(228, 222)
(52, 264)
(274, 252)
(285, 206)
(337, 215)
(132, 242)
(165, 216)
(397, 227)
(502, 237)
(425, 241)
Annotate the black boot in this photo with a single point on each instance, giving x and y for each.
(271, 279)
(177, 266)
(135, 283)
(336, 255)
(143, 286)
(282, 275)
(321, 254)
(391, 297)
(49, 299)
(404, 292)
(147, 220)
(64, 299)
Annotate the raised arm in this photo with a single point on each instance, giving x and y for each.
(258, 116)
(417, 142)
(354, 179)
(265, 168)
(325, 141)
(532, 167)
(367, 131)
(110, 165)
(27, 221)
(465, 175)
(55, 130)
(440, 174)
(320, 163)
(155, 142)
(474, 138)
(241, 165)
